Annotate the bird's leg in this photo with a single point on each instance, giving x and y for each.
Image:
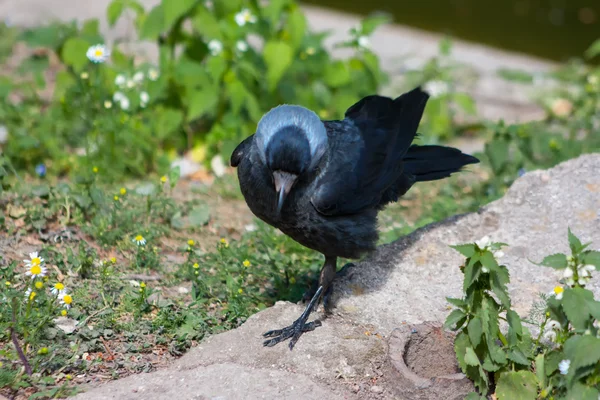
(300, 325)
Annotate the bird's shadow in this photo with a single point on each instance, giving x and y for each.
(371, 273)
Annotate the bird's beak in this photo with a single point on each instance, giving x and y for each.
(283, 184)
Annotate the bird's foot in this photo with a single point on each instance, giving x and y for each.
(299, 326)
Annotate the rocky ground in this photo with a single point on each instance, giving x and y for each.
(368, 348)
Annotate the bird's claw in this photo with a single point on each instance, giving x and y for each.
(293, 331)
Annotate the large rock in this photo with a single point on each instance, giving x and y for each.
(354, 355)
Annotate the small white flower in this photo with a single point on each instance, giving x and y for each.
(241, 46)
(98, 53)
(58, 289)
(124, 103)
(120, 80)
(153, 74)
(436, 89)
(140, 240)
(107, 104)
(583, 273)
(138, 77)
(144, 99)
(310, 50)
(498, 253)
(567, 273)
(34, 259)
(364, 42)
(130, 83)
(589, 268)
(550, 336)
(244, 17)
(552, 324)
(563, 366)
(484, 242)
(484, 270)
(215, 47)
(569, 282)
(65, 299)
(593, 80)
(118, 96)
(209, 5)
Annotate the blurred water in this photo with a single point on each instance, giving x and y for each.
(553, 29)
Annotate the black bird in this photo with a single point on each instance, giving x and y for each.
(323, 182)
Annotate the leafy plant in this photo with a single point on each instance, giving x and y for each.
(564, 360)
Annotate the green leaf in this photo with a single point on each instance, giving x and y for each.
(499, 287)
(475, 331)
(175, 9)
(460, 347)
(488, 261)
(337, 73)
(74, 53)
(517, 385)
(153, 24)
(593, 50)
(460, 303)
(201, 102)
(515, 328)
(206, 24)
(592, 257)
(575, 305)
(278, 56)
(517, 356)
(167, 121)
(471, 358)
(540, 370)
(497, 152)
(237, 95)
(475, 396)
(465, 102)
(369, 24)
(216, 67)
(296, 26)
(455, 318)
(174, 175)
(583, 351)
(556, 261)
(200, 215)
(472, 271)
(582, 392)
(466, 250)
(114, 11)
(574, 243)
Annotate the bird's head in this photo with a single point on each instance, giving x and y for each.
(291, 141)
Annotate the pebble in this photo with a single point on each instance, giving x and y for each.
(377, 389)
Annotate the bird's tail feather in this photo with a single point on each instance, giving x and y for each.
(429, 163)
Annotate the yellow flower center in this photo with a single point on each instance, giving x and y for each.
(113, 260)
(67, 299)
(63, 312)
(558, 290)
(36, 261)
(143, 285)
(246, 263)
(123, 191)
(163, 179)
(240, 290)
(139, 238)
(196, 266)
(39, 285)
(35, 269)
(191, 242)
(116, 198)
(32, 295)
(95, 170)
(59, 286)
(98, 53)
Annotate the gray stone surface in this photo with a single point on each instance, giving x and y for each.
(406, 281)
(495, 97)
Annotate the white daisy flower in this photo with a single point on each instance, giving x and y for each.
(140, 240)
(120, 80)
(65, 300)
(58, 289)
(241, 46)
(138, 77)
(118, 96)
(98, 53)
(153, 74)
(558, 292)
(30, 295)
(130, 84)
(124, 103)
(215, 47)
(552, 324)
(144, 99)
(244, 17)
(563, 366)
(34, 259)
(36, 271)
(436, 89)
(550, 336)
(364, 42)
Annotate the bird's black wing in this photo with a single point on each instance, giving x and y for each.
(240, 150)
(366, 151)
